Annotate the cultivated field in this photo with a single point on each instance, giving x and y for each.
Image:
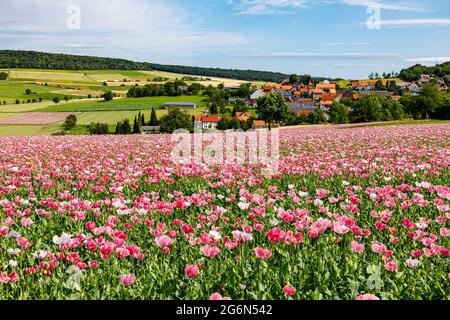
(360, 213)
(35, 118)
(45, 85)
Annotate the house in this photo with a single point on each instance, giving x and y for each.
(425, 78)
(403, 85)
(184, 88)
(257, 94)
(414, 88)
(206, 122)
(442, 87)
(261, 124)
(325, 104)
(269, 86)
(317, 94)
(180, 105)
(364, 85)
(243, 116)
(326, 86)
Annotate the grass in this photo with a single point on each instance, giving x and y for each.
(29, 130)
(12, 90)
(124, 104)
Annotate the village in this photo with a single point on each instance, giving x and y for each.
(303, 99)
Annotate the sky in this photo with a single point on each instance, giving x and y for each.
(329, 38)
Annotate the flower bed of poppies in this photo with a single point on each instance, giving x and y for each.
(354, 213)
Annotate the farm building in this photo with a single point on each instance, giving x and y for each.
(181, 105)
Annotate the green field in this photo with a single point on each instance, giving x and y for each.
(12, 90)
(29, 130)
(124, 104)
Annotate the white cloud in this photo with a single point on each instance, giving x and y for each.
(415, 22)
(395, 6)
(270, 7)
(134, 25)
(428, 60)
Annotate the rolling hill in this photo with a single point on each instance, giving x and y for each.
(41, 60)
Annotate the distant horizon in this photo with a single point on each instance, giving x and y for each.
(194, 66)
(346, 39)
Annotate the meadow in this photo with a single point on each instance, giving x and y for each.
(360, 213)
(146, 103)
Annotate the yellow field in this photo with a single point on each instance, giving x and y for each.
(45, 75)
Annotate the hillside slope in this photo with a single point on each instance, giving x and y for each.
(42, 60)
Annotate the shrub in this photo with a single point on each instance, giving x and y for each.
(98, 128)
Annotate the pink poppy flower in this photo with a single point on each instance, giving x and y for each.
(357, 247)
(289, 290)
(367, 296)
(191, 271)
(127, 279)
(263, 253)
(9, 279)
(218, 297)
(209, 251)
(164, 241)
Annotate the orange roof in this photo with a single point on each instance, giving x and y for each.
(317, 91)
(297, 92)
(287, 88)
(245, 114)
(260, 123)
(270, 86)
(326, 103)
(326, 86)
(198, 118)
(210, 119)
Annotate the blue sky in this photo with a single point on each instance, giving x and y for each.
(320, 37)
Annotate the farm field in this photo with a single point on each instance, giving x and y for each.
(146, 103)
(351, 214)
(29, 130)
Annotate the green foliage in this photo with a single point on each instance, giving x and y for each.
(176, 119)
(55, 100)
(272, 108)
(338, 113)
(154, 118)
(71, 122)
(98, 128)
(305, 79)
(123, 127)
(430, 104)
(317, 117)
(108, 96)
(413, 73)
(3, 75)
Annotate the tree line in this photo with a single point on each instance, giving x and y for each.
(413, 73)
(53, 61)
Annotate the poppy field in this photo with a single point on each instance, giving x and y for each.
(353, 213)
